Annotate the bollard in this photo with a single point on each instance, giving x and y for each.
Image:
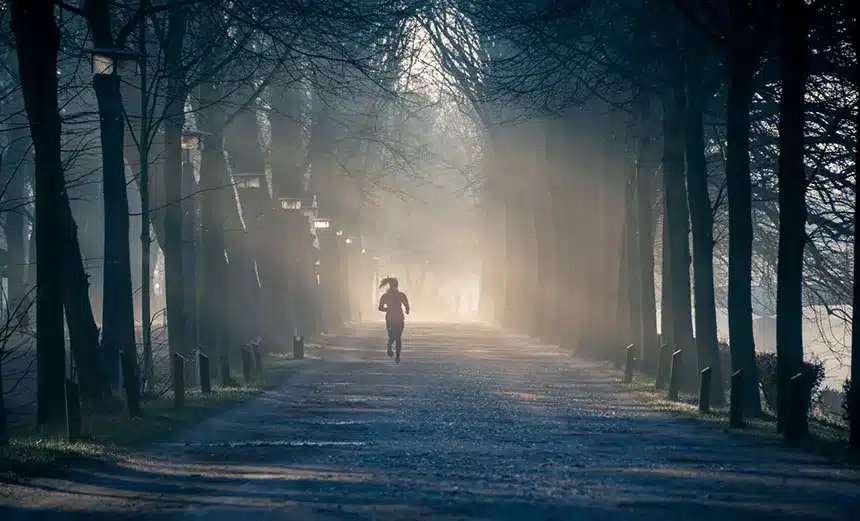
(73, 411)
(258, 359)
(663, 367)
(736, 401)
(204, 373)
(675, 377)
(797, 425)
(246, 364)
(298, 347)
(225, 371)
(705, 391)
(178, 380)
(629, 359)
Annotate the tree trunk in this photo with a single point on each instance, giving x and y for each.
(144, 184)
(677, 226)
(83, 331)
(245, 156)
(189, 252)
(741, 67)
(854, 412)
(15, 172)
(216, 201)
(546, 283)
(633, 265)
(174, 119)
(701, 220)
(119, 346)
(665, 278)
(117, 301)
(650, 349)
(791, 416)
(4, 429)
(287, 164)
(321, 149)
(38, 41)
(624, 322)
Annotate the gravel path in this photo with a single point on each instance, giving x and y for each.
(472, 425)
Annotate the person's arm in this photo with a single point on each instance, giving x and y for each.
(405, 303)
(382, 306)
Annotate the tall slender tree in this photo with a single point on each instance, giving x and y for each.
(37, 38)
(794, 70)
(854, 400)
(702, 225)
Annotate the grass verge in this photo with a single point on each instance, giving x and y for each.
(34, 452)
(825, 439)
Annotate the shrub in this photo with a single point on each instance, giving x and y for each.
(847, 400)
(812, 374)
(829, 402)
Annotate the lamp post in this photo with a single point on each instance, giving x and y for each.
(330, 245)
(352, 268)
(143, 146)
(296, 285)
(118, 301)
(250, 182)
(310, 251)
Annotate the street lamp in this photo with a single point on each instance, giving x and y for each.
(320, 223)
(191, 140)
(349, 240)
(339, 233)
(110, 61)
(290, 203)
(248, 180)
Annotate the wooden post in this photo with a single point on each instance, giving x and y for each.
(258, 359)
(663, 367)
(298, 347)
(798, 410)
(225, 371)
(73, 411)
(705, 391)
(178, 380)
(736, 402)
(246, 364)
(629, 360)
(675, 377)
(205, 374)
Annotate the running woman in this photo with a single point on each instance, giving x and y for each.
(392, 303)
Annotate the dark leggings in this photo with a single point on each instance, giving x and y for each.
(395, 332)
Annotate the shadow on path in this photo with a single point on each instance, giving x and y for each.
(473, 425)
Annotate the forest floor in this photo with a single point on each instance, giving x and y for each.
(473, 425)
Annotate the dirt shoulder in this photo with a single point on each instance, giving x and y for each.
(827, 440)
(111, 436)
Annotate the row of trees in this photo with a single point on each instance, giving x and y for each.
(219, 115)
(600, 138)
(728, 132)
